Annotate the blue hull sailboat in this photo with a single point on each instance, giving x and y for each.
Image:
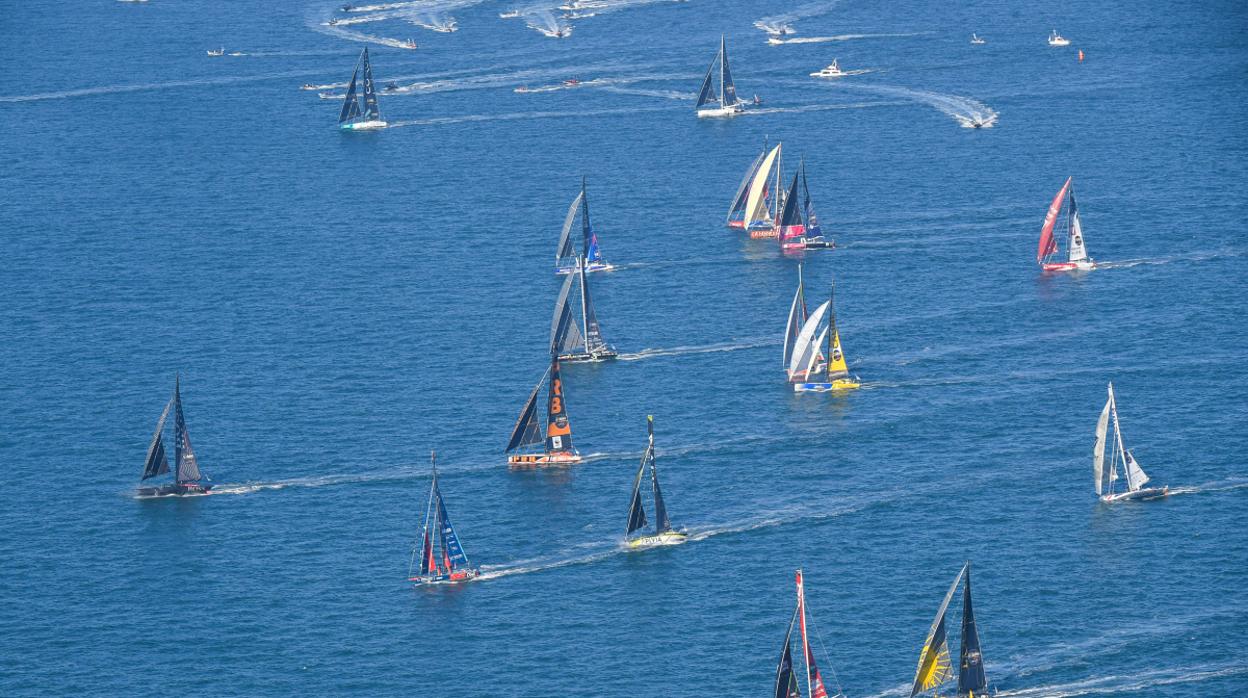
(934, 667)
(352, 117)
(565, 256)
(187, 477)
(663, 534)
(442, 559)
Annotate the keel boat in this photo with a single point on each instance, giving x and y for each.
(813, 237)
(934, 669)
(1106, 475)
(753, 204)
(573, 340)
(805, 356)
(187, 477)
(565, 256)
(556, 442)
(787, 685)
(663, 534)
(1047, 254)
(352, 118)
(797, 227)
(442, 559)
(724, 102)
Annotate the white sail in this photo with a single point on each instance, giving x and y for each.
(564, 252)
(1098, 451)
(806, 344)
(814, 355)
(794, 318)
(756, 204)
(1076, 251)
(1135, 474)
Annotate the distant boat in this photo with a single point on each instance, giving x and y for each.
(814, 232)
(509, 14)
(832, 71)
(977, 40)
(352, 118)
(934, 668)
(1106, 476)
(573, 340)
(571, 82)
(663, 534)
(566, 257)
(556, 442)
(442, 558)
(786, 677)
(724, 102)
(1076, 254)
(411, 44)
(762, 207)
(448, 28)
(187, 478)
(1056, 39)
(218, 52)
(330, 95)
(806, 354)
(736, 212)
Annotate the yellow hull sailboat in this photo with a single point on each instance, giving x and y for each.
(663, 534)
(803, 357)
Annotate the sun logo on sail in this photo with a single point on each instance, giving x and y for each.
(934, 666)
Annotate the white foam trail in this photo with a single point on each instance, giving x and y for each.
(964, 110)
(115, 89)
(1202, 256)
(1131, 683)
(698, 349)
(785, 19)
(544, 22)
(776, 41)
(758, 111)
(662, 94)
(518, 116)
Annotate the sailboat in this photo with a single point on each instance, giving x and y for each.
(724, 102)
(1076, 255)
(187, 478)
(934, 668)
(1106, 477)
(663, 534)
(786, 679)
(442, 558)
(805, 356)
(575, 341)
(352, 118)
(762, 208)
(556, 443)
(796, 226)
(565, 255)
(736, 212)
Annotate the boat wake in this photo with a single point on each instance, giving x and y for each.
(117, 89)
(1148, 681)
(968, 112)
(697, 349)
(1190, 257)
(779, 41)
(543, 21)
(1216, 486)
(518, 116)
(775, 24)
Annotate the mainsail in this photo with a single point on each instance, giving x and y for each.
(351, 104)
(808, 209)
(371, 112)
(727, 91)
(837, 368)
(565, 254)
(558, 428)
(806, 347)
(565, 333)
(1048, 244)
(528, 429)
(971, 678)
(933, 668)
(157, 461)
(187, 470)
(594, 342)
(662, 524)
(786, 680)
(589, 239)
(797, 318)
(756, 205)
(637, 510)
(1075, 251)
(790, 225)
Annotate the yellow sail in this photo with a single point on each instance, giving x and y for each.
(934, 666)
(756, 204)
(837, 368)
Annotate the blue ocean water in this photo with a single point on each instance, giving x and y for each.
(340, 304)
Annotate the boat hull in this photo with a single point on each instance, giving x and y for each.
(538, 460)
(667, 538)
(1059, 42)
(456, 577)
(1087, 265)
(592, 267)
(764, 233)
(364, 125)
(1139, 495)
(594, 357)
(720, 112)
(175, 490)
(835, 386)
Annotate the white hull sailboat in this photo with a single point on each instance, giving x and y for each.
(1106, 474)
(352, 117)
(566, 258)
(1047, 254)
(663, 534)
(724, 103)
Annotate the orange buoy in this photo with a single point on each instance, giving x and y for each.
(1080, 55)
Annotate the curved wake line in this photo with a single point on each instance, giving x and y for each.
(840, 37)
(518, 116)
(698, 349)
(966, 111)
(115, 89)
(1129, 683)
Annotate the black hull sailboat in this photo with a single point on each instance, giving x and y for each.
(934, 668)
(187, 479)
(576, 340)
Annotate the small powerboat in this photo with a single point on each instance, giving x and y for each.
(523, 89)
(409, 44)
(832, 71)
(391, 86)
(447, 28)
(332, 22)
(571, 82)
(348, 8)
(308, 86)
(1056, 39)
(218, 52)
(976, 39)
(509, 14)
(330, 95)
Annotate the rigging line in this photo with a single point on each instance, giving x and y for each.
(827, 659)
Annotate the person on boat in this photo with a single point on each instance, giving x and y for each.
(757, 101)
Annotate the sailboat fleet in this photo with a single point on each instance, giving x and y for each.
(765, 210)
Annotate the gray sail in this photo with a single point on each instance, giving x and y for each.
(662, 524)
(1099, 476)
(528, 429)
(157, 461)
(371, 112)
(593, 333)
(351, 104)
(565, 333)
(636, 510)
(565, 255)
(971, 677)
(183, 454)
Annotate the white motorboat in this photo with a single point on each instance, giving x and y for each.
(1056, 39)
(218, 52)
(832, 71)
(976, 39)
(509, 14)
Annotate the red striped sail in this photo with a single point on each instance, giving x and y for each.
(813, 678)
(1047, 244)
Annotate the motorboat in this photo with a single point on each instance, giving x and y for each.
(571, 82)
(523, 89)
(832, 71)
(509, 14)
(977, 40)
(409, 44)
(391, 86)
(218, 52)
(1056, 39)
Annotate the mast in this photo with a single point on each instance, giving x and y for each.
(832, 332)
(786, 682)
(637, 510)
(558, 428)
(186, 467)
(971, 677)
(587, 247)
(371, 111)
(1098, 450)
(580, 266)
(723, 70)
(1048, 245)
(814, 681)
(1120, 455)
(797, 318)
(662, 523)
(425, 542)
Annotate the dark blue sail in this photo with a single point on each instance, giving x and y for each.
(183, 454)
(789, 215)
(636, 510)
(662, 524)
(812, 222)
(971, 677)
(589, 241)
(707, 94)
(454, 552)
(786, 680)
(558, 428)
(351, 104)
(371, 112)
(528, 430)
(157, 461)
(730, 90)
